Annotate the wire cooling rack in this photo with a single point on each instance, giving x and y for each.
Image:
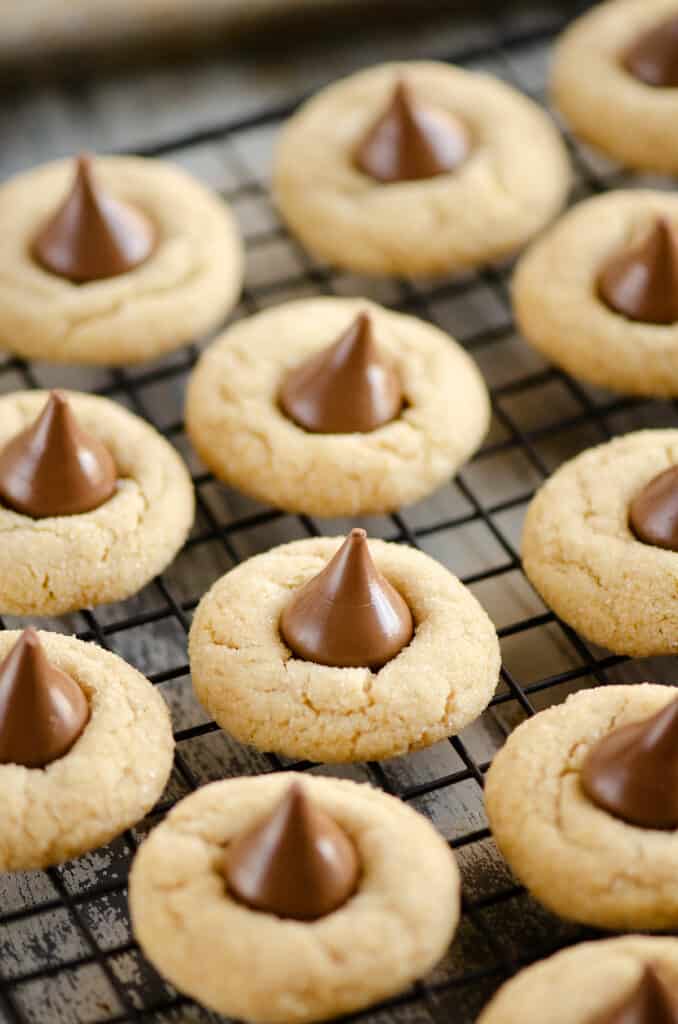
(67, 955)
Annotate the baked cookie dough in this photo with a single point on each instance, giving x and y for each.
(56, 565)
(514, 181)
(603, 101)
(575, 858)
(234, 420)
(109, 779)
(560, 313)
(185, 288)
(254, 687)
(579, 985)
(580, 554)
(252, 965)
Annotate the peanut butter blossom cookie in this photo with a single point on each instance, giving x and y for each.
(598, 293)
(336, 407)
(418, 168)
(284, 902)
(85, 748)
(633, 980)
(112, 261)
(583, 803)
(600, 543)
(615, 79)
(93, 502)
(342, 651)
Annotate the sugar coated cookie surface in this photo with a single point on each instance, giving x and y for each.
(581, 555)
(235, 420)
(58, 564)
(251, 683)
(259, 967)
(576, 858)
(108, 780)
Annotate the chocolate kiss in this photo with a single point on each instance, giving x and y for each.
(653, 513)
(649, 1003)
(641, 283)
(343, 389)
(633, 771)
(653, 58)
(42, 710)
(92, 235)
(410, 141)
(53, 468)
(349, 615)
(296, 863)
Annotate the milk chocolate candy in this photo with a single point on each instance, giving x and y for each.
(632, 773)
(653, 58)
(411, 141)
(93, 235)
(349, 615)
(641, 282)
(653, 513)
(42, 710)
(55, 468)
(296, 863)
(346, 388)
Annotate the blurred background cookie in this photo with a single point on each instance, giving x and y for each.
(418, 168)
(615, 79)
(614, 980)
(113, 261)
(598, 292)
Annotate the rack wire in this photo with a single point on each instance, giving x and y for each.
(67, 955)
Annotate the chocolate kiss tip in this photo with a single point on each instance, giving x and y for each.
(632, 773)
(92, 235)
(296, 863)
(410, 142)
(649, 1002)
(314, 394)
(42, 710)
(653, 57)
(55, 468)
(641, 282)
(653, 512)
(349, 615)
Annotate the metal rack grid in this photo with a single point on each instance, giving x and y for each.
(67, 955)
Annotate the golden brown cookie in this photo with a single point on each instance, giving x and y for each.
(183, 289)
(583, 983)
(513, 181)
(576, 858)
(582, 556)
(235, 420)
(558, 303)
(58, 564)
(603, 101)
(259, 967)
(252, 684)
(108, 780)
